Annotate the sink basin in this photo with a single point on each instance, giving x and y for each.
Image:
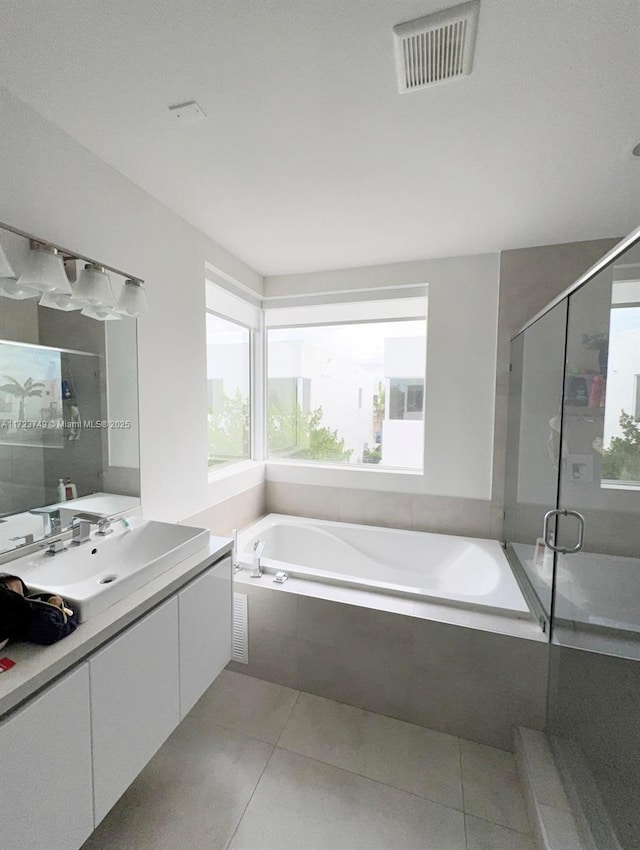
(105, 569)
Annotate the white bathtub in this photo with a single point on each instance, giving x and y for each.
(464, 571)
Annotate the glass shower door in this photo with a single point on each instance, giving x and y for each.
(593, 708)
(597, 589)
(533, 452)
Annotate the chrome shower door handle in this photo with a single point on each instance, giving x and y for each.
(545, 531)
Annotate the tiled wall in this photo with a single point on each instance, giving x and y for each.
(443, 514)
(463, 681)
(235, 512)
(594, 703)
(529, 279)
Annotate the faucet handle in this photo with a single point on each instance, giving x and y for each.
(104, 526)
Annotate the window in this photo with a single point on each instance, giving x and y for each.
(228, 391)
(406, 398)
(349, 392)
(619, 389)
(232, 321)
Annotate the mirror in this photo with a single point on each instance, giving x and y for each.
(68, 410)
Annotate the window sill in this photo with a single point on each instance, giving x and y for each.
(339, 475)
(365, 468)
(241, 467)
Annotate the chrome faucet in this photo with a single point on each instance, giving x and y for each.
(103, 522)
(81, 530)
(234, 551)
(82, 523)
(51, 523)
(25, 538)
(256, 566)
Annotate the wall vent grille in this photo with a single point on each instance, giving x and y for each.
(240, 631)
(436, 48)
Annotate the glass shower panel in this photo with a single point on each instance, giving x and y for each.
(533, 447)
(597, 600)
(593, 706)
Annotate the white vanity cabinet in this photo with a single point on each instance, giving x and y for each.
(70, 752)
(45, 768)
(134, 701)
(204, 609)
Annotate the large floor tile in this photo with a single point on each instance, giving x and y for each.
(248, 705)
(483, 835)
(191, 794)
(408, 757)
(491, 786)
(301, 804)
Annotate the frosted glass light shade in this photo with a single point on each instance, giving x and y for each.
(6, 269)
(9, 289)
(101, 314)
(94, 288)
(58, 301)
(44, 272)
(133, 299)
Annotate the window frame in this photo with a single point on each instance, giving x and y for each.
(377, 317)
(244, 310)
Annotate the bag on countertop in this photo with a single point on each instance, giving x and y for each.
(31, 616)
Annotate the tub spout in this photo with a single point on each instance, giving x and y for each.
(256, 566)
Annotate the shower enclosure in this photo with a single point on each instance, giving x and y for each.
(572, 531)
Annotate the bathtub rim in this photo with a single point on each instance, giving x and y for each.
(322, 578)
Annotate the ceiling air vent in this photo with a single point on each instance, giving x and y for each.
(436, 48)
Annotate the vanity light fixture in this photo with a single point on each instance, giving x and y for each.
(94, 288)
(9, 289)
(6, 269)
(133, 299)
(100, 314)
(59, 301)
(44, 271)
(49, 274)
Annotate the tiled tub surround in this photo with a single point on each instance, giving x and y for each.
(234, 512)
(439, 567)
(411, 511)
(467, 673)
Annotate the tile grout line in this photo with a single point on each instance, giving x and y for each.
(244, 811)
(505, 828)
(203, 719)
(464, 813)
(284, 726)
(371, 779)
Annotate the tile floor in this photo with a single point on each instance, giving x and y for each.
(257, 766)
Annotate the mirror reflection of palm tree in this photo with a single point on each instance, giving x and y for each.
(29, 389)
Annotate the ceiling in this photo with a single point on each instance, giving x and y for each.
(309, 158)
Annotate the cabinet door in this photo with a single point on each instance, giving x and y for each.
(45, 769)
(205, 632)
(134, 702)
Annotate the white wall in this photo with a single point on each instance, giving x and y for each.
(461, 372)
(403, 355)
(53, 187)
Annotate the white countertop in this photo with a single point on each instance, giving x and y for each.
(36, 666)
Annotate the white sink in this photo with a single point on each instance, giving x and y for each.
(96, 574)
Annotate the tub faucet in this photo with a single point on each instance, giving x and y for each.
(234, 551)
(256, 566)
